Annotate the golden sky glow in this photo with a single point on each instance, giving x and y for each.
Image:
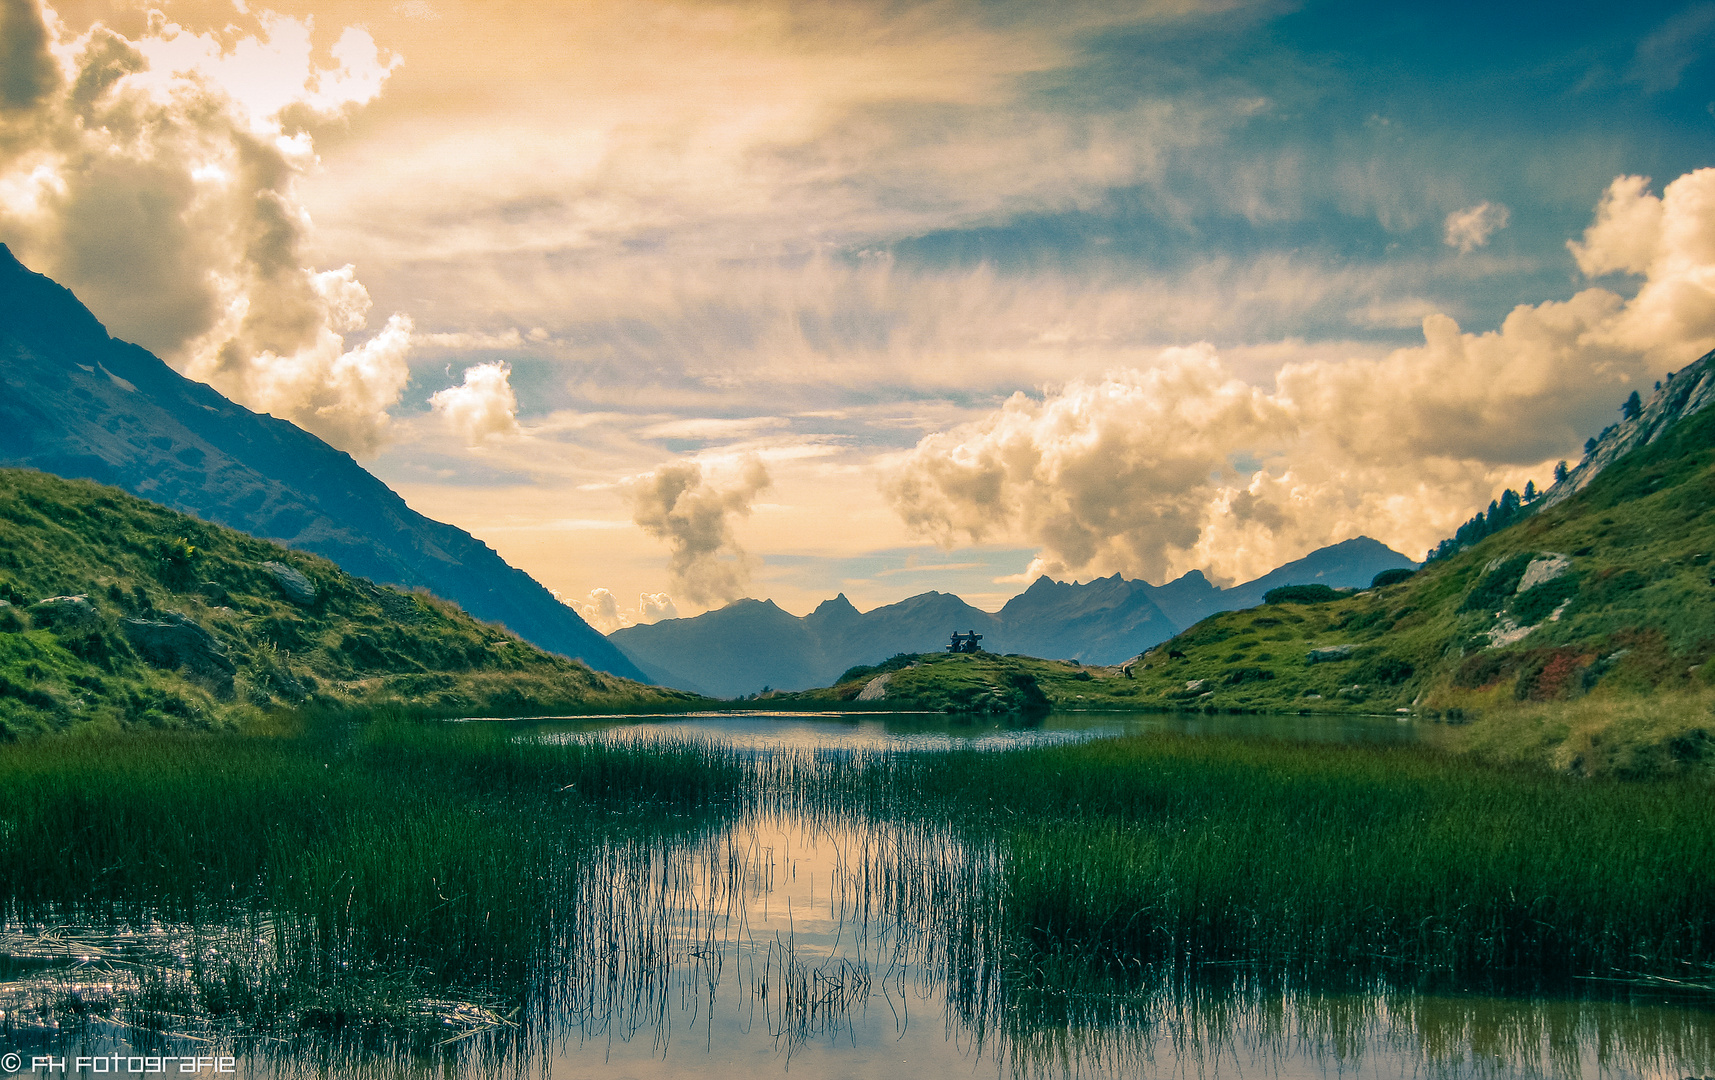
(715, 299)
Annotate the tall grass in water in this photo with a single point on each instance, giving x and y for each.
(376, 863)
(1324, 861)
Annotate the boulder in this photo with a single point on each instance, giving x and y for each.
(1329, 653)
(296, 587)
(876, 688)
(66, 614)
(214, 592)
(1542, 569)
(174, 641)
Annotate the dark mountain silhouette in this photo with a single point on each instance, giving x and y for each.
(739, 650)
(80, 404)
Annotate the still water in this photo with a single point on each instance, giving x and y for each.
(786, 942)
(809, 731)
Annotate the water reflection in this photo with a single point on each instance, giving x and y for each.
(934, 732)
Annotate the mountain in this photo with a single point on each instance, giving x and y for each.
(78, 403)
(119, 611)
(1582, 636)
(1105, 621)
(1102, 621)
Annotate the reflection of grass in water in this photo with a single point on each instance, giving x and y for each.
(385, 862)
(433, 879)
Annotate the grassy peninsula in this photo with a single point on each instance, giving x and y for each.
(120, 612)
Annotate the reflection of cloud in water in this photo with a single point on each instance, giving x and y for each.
(791, 944)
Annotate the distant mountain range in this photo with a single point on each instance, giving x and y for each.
(750, 644)
(77, 403)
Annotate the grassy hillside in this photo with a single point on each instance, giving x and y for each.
(182, 623)
(980, 684)
(1580, 638)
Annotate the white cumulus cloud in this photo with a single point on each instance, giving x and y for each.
(602, 610)
(1156, 470)
(692, 510)
(484, 405)
(157, 176)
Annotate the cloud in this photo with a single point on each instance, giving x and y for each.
(601, 610)
(1159, 469)
(653, 607)
(1663, 56)
(158, 177)
(1470, 228)
(483, 406)
(693, 513)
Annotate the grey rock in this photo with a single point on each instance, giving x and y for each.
(1542, 569)
(1194, 685)
(1329, 653)
(66, 614)
(174, 641)
(295, 585)
(214, 592)
(876, 688)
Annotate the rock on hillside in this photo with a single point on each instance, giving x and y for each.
(77, 403)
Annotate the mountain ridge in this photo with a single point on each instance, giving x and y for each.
(1104, 621)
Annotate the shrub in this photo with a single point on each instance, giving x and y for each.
(1537, 604)
(1498, 585)
(1302, 594)
(1391, 577)
(1386, 670)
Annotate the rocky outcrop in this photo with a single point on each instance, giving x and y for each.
(66, 614)
(1543, 569)
(876, 688)
(1685, 392)
(174, 641)
(295, 586)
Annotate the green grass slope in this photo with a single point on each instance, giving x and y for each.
(978, 684)
(184, 625)
(1602, 667)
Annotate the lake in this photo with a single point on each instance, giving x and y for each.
(809, 940)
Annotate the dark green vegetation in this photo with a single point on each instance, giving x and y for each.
(345, 872)
(351, 873)
(1330, 862)
(184, 623)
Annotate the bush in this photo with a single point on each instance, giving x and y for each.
(1392, 577)
(1498, 585)
(1302, 594)
(1385, 670)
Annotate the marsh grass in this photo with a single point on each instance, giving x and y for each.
(447, 881)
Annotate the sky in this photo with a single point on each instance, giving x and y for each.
(675, 303)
